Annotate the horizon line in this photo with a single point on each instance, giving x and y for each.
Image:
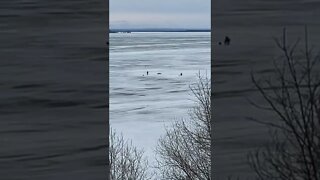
(159, 30)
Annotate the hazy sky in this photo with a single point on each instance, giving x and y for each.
(159, 13)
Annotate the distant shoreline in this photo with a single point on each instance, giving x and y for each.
(157, 30)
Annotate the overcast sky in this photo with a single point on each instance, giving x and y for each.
(159, 13)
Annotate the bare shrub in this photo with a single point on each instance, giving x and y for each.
(294, 151)
(126, 161)
(184, 150)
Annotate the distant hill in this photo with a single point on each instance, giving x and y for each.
(157, 30)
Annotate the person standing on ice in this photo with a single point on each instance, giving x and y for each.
(227, 41)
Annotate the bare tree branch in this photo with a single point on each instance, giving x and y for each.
(126, 161)
(184, 151)
(294, 152)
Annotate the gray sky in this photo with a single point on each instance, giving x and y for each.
(159, 13)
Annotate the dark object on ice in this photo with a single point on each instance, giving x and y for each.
(147, 72)
(227, 41)
(220, 43)
(158, 73)
(180, 74)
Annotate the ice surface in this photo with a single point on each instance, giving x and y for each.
(142, 105)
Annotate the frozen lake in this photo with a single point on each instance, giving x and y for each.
(140, 104)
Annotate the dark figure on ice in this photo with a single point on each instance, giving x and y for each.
(227, 41)
(180, 74)
(147, 72)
